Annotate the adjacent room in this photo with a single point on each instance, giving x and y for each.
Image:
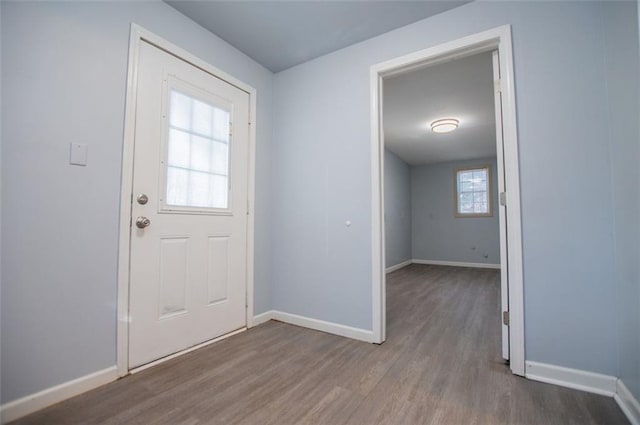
(340, 212)
(442, 227)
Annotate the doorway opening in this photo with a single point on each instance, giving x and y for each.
(477, 171)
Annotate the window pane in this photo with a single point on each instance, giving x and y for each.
(202, 118)
(221, 125)
(466, 198)
(480, 208)
(466, 207)
(197, 154)
(198, 189)
(465, 176)
(480, 197)
(180, 110)
(480, 185)
(200, 154)
(466, 187)
(179, 147)
(220, 158)
(177, 183)
(480, 175)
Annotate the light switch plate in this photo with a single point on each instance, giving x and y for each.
(78, 155)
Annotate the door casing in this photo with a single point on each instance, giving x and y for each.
(137, 36)
(494, 39)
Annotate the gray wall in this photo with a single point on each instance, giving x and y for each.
(437, 234)
(419, 215)
(64, 75)
(321, 167)
(397, 209)
(621, 32)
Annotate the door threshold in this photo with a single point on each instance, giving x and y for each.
(185, 351)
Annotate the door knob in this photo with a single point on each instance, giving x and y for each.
(142, 222)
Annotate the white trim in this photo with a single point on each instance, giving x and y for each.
(628, 403)
(497, 38)
(321, 325)
(457, 264)
(26, 405)
(316, 324)
(399, 266)
(378, 256)
(126, 184)
(251, 214)
(185, 351)
(583, 380)
(138, 35)
(262, 318)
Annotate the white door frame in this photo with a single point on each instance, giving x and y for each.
(500, 39)
(139, 35)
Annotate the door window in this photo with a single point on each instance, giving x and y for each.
(197, 154)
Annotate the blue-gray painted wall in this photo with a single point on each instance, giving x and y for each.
(437, 234)
(397, 209)
(321, 167)
(64, 77)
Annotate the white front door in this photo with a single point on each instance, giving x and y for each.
(189, 208)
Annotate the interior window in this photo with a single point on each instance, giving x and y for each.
(473, 192)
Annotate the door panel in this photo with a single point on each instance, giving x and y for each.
(173, 276)
(218, 272)
(188, 262)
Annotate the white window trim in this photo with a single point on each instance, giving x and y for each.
(456, 195)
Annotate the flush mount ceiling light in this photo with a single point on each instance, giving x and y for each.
(445, 125)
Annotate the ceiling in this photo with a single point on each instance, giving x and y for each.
(461, 89)
(281, 34)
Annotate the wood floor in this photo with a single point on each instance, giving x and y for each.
(440, 365)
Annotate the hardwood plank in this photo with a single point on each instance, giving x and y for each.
(441, 364)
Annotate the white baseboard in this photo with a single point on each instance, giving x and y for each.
(572, 378)
(456, 264)
(34, 402)
(262, 318)
(628, 403)
(398, 266)
(316, 324)
(587, 381)
(321, 325)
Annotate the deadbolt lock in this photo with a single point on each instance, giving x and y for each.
(142, 199)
